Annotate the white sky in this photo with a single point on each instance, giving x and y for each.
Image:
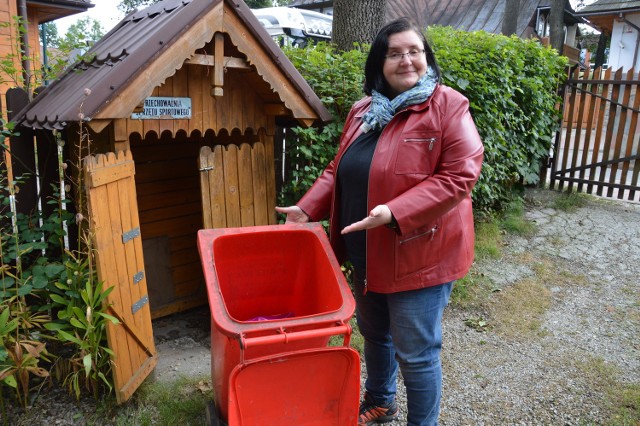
(105, 11)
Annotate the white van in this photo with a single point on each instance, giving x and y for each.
(295, 26)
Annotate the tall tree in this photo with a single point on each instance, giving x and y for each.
(127, 6)
(510, 17)
(258, 4)
(49, 32)
(72, 46)
(356, 21)
(556, 25)
(603, 41)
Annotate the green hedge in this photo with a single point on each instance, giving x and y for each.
(511, 85)
(512, 89)
(336, 77)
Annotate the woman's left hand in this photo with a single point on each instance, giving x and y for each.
(379, 215)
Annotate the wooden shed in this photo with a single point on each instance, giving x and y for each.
(181, 101)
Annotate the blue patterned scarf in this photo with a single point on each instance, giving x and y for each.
(382, 109)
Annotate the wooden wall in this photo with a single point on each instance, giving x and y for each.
(240, 107)
(9, 43)
(168, 183)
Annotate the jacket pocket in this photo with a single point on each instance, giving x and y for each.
(418, 250)
(418, 153)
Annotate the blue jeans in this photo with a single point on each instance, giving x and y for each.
(404, 330)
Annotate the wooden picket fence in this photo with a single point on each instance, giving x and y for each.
(597, 150)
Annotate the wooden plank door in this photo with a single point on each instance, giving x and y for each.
(236, 186)
(115, 229)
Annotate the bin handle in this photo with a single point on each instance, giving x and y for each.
(296, 336)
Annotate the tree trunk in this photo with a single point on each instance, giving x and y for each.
(510, 18)
(356, 21)
(556, 25)
(600, 51)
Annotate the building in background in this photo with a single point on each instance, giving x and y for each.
(476, 15)
(295, 26)
(33, 13)
(620, 20)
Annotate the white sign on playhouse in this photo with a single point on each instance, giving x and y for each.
(164, 108)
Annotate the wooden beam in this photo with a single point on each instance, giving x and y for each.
(306, 122)
(120, 135)
(218, 67)
(209, 60)
(276, 109)
(98, 125)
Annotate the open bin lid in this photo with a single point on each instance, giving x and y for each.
(315, 386)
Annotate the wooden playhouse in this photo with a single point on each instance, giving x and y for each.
(181, 102)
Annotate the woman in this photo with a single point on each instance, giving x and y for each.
(408, 159)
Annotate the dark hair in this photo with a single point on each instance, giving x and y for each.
(373, 77)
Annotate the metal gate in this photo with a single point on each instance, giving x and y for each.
(597, 149)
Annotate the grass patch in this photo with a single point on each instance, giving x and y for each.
(471, 291)
(357, 341)
(182, 402)
(570, 202)
(489, 240)
(474, 289)
(622, 400)
(625, 404)
(514, 222)
(490, 231)
(519, 309)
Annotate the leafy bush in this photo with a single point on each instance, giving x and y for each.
(336, 77)
(512, 89)
(50, 297)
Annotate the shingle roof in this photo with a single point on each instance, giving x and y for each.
(128, 48)
(603, 14)
(608, 7)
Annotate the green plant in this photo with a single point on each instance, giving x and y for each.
(570, 202)
(7, 326)
(512, 87)
(513, 221)
(83, 325)
(22, 361)
(74, 44)
(488, 242)
(168, 403)
(80, 303)
(22, 347)
(336, 77)
(50, 297)
(10, 72)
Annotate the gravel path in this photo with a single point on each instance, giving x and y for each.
(589, 330)
(583, 265)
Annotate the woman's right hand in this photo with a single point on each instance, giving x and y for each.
(294, 214)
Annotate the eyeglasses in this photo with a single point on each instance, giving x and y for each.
(397, 57)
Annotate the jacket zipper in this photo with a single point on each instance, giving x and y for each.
(430, 141)
(366, 244)
(431, 231)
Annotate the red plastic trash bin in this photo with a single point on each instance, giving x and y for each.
(276, 295)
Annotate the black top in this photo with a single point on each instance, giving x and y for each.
(353, 183)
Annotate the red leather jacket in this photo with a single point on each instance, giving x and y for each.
(426, 162)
